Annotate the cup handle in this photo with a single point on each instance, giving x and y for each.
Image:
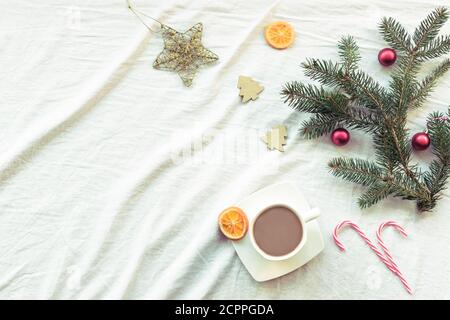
(312, 214)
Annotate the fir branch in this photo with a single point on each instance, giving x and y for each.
(435, 179)
(311, 99)
(396, 185)
(327, 73)
(394, 34)
(439, 172)
(349, 53)
(357, 84)
(407, 188)
(355, 100)
(368, 91)
(357, 118)
(426, 86)
(358, 171)
(397, 149)
(308, 98)
(403, 84)
(374, 194)
(429, 28)
(385, 149)
(438, 126)
(435, 49)
(319, 125)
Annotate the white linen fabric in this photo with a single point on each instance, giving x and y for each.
(112, 173)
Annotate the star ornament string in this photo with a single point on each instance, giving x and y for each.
(183, 52)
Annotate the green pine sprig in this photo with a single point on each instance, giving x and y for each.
(349, 97)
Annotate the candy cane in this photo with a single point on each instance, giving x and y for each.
(366, 239)
(381, 242)
(386, 259)
(387, 253)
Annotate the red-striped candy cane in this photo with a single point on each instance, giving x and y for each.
(385, 258)
(388, 254)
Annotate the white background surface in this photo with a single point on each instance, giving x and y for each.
(95, 199)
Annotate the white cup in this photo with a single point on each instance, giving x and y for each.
(304, 218)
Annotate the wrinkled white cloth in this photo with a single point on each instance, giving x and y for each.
(112, 173)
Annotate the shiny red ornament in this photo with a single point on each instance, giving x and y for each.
(387, 57)
(340, 137)
(420, 141)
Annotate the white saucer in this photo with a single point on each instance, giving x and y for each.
(260, 268)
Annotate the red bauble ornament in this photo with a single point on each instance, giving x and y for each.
(387, 57)
(340, 137)
(420, 141)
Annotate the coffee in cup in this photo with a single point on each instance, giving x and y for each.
(277, 231)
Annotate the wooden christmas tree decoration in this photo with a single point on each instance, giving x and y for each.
(276, 138)
(249, 88)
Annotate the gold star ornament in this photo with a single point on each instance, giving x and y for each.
(183, 53)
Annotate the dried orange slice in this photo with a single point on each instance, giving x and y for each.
(279, 35)
(233, 223)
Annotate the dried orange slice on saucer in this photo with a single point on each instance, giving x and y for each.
(279, 35)
(233, 223)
